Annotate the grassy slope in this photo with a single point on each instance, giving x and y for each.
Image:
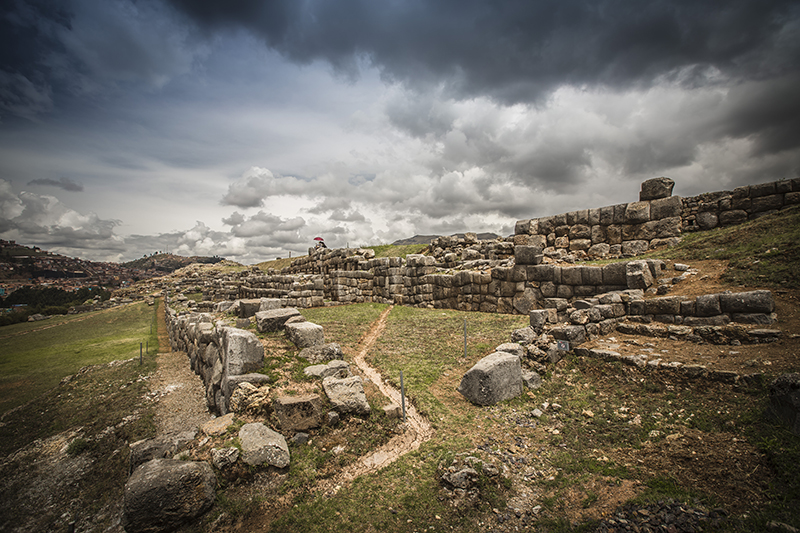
(35, 356)
(762, 252)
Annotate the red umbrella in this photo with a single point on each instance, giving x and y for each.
(318, 239)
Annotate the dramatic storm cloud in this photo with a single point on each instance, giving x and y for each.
(247, 128)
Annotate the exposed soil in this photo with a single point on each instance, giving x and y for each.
(180, 392)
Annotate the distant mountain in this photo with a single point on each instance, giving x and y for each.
(427, 239)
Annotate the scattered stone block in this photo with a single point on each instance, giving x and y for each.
(249, 307)
(494, 378)
(336, 368)
(347, 395)
(274, 319)
(321, 353)
(296, 413)
(263, 446)
(531, 379)
(305, 334)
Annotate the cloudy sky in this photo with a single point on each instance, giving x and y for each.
(246, 128)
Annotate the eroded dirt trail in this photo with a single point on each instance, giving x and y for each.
(181, 395)
(416, 429)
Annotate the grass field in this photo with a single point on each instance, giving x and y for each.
(35, 356)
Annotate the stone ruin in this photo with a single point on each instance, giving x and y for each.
(532, 273)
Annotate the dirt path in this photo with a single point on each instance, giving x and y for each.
(181, 395)
(416, 429)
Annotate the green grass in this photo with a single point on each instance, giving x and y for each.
(390, 250)
(345, 325)
(35, 356)
(425, 344)
(762, 252)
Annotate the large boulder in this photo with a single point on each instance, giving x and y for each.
(347, 395)
(784, 401)
(494, 378)
(164, 446)
(243, 351)
(298, 413)
(656, 188)
(263, 446)
(163, 494)
(274, 319)
(321, 353)
(305, 334)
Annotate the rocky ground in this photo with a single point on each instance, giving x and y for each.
(533, 452)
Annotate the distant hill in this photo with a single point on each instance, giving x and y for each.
(427, 239)
(169, 262)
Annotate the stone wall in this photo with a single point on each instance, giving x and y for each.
(726, 208)
(582, 319)
(657, 219)
(221, 355)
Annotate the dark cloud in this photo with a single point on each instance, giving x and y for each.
(62, 183)
(518, 51)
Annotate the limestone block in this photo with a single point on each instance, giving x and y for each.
(321, 352)
(575, 334)
(527, 255)
(634, 248)
(229, 383)
(305, 334)
(637, 213)
(571, 276)
(263, 446)
(540, 273)
(607, 215)
(249, 307)
(669, 305)
(599, 250)
(161, 447)
(269, 304)
(784, 401)
(243, 351)
(247, 398)
(524, 227)
(530, 298)
(580, 231)
(336, 368)
(706, 221)
(538, 319)
(579, 244)
(163, 494)
(747, 302)
(298, 413)
(638, 275)
(592, 275)
(655, 188)
(347, 395)
(495, 378)
(615, 274)
(735, 216)
(666, 207)
(762, 189)
(766, 203)
(707, 305)
(274, 319)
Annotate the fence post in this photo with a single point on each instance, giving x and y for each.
(403, 395)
